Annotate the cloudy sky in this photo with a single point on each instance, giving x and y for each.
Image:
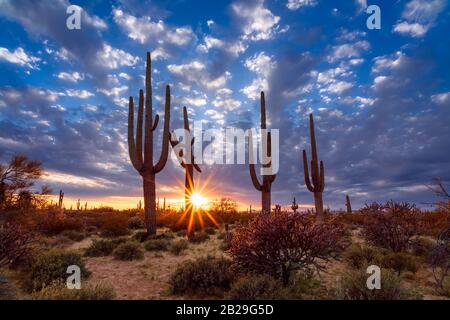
(381, 98)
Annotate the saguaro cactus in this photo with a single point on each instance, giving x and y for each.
(294, 206)
(267, 180)
(348, 204)
(61, 199)
(187, 165)
(317, 184)
(143, 161)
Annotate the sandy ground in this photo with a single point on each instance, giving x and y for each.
(147, 278)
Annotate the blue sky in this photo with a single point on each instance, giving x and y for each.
(381, 98)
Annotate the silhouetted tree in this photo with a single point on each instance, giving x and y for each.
(16, 179)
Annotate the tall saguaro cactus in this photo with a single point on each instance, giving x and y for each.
(317, 182)
(267, 180)
(60, 199)
(142, 160)
(187, 165)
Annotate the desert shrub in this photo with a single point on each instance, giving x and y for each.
(353, 286)
(6, 290)
(204, 276)
(400, 261)
(439, 260)
(50, 266)
(434, 222)
(391, 225)
(114, 225)
(422, 246)
(140, 236)
(257, 287)
(74, 235)
(278, 244)
(178, 246)
(136, 223)
(305, 285)
(198, 237)
(14, 244)
(167, 235)
(358, 256)
(129, 250)
(53, 222)
(59, 291)
(99, 248)
(210, 230)
(355, 219)
(156, 245)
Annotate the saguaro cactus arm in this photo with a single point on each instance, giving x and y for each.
(137, 164)
(166, 134)
(258, 186)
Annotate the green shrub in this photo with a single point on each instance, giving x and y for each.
(257, 287)
(50, 266)
(178, 246)
(204, 276)
(74, 235)
(127, 251)
(156, 245)
(100, 248)
(400, 261)
(422, 246)
(304, 286)
(358, 256)
(168, 235)
(140, 236)
(136, 223)
(198, 237)
(58, 291)
(353, 286)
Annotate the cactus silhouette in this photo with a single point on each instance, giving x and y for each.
(187, 165)
(267, 180)
(294, 206)
(142, 160)
(317, 182)
(348, 204)
(61, 199)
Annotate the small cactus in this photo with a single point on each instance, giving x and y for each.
(294, 206)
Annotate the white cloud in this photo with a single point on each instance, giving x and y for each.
(81, 94)
(337, 87)
(420, 16)
(20, 57)
(234, 48)
(415, 30)
(195, 72)
(225, 101)
(297, 4)
(262, 65)
(441, 98)
(113, 92)
(71, 77)
(112, 58)
(348, 50)
(145, 30)
(388, 63)
(259, 22)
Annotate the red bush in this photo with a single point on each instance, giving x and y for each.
(279, 244)
(391, 225)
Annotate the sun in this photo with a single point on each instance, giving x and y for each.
(198, 200)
